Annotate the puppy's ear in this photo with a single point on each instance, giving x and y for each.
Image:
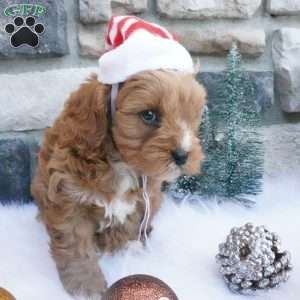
(84, 120)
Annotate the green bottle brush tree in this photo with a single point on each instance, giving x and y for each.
(233, 168)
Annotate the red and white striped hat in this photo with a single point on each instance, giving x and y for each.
(134, 45)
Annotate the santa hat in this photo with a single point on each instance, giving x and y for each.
(134, 45)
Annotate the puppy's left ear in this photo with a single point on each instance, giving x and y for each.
(84, 120)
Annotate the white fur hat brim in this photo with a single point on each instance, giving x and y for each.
(143, 51)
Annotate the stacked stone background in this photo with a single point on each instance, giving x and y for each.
(266, 31)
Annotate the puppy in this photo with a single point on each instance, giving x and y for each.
(88, 182)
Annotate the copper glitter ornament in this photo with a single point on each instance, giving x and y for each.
(139, 287)
(6, 295)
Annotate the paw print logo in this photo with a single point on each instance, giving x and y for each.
(24, 32)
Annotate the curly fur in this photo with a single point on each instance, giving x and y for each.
(87, 182)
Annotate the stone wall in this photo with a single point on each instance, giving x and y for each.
(74, 36)
(65, 38)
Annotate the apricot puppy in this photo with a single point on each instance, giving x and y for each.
(88, 182)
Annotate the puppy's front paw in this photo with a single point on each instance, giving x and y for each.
(89, 290)
(84, 283)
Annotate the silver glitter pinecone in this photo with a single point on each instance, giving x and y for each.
(252, 259)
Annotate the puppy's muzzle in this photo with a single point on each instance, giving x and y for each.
(179, 156)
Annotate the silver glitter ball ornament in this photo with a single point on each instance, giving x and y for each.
(252, 259)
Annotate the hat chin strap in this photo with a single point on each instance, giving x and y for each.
(144, 224)
(113, 98)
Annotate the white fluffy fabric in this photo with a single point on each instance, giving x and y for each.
(181, 250)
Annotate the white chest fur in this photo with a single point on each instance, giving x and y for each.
(119, 208)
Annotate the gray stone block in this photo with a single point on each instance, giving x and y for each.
(263, 83)
(286, 53)
(91, 40)
(125, 7)
(34, 30)
(34, 140)
(94, 11)
(33, 100)
(208, 9)
(283, 7)
(251, 42)
(97, 11)
(14, 171)
(282, 149)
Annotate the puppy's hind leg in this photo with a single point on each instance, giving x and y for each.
(73, 249)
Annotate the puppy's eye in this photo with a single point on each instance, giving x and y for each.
(150, 117)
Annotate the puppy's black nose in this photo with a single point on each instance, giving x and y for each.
(180, 156)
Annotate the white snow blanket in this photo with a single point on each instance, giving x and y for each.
(181, 250)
